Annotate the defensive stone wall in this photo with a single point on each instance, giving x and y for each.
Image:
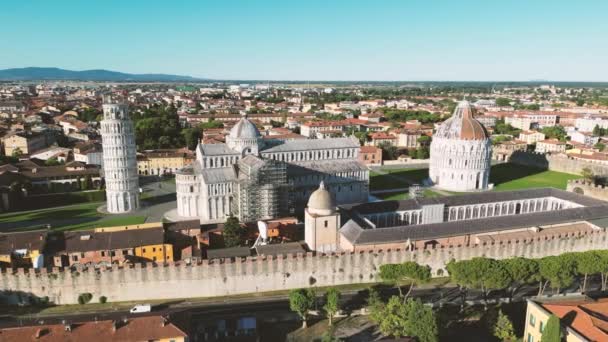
(142, 282)
(558, 162)
(588, 189)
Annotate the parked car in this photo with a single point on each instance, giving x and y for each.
(141, 308)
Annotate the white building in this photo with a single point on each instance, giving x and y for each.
(256, 179)
(587, 124)
(550, 146)
(119, 158)
(531, 137)
(461, 152)
(583, 138)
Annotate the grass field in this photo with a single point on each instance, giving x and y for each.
(515, 177)
(79, 216)
(396, 178)
(398, 196)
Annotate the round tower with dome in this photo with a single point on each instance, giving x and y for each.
(322, 221)
(461, 153)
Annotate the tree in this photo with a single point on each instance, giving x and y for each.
(393, 320)
(421, 322)
(503, 329)
(601, 147)
(191, 137)
(587, 263)
(588, 175)
(52, 162)
(503, 102)
(409, 318)
(415, 273)
(603, 267)
(559, 271)
(332, 303)
(481, 273)
(522, 271)
(301, 301)
(597, 131)
(424, 140)
(17, 152)
(553, 330)
(555, 132)
(211, 125)
(233, 233)
(389, 151)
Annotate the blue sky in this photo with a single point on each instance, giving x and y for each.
(312, 39)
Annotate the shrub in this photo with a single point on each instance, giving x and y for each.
(84, 298)
(103, 299)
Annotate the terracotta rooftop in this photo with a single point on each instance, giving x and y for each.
(149, 328)
(589, 319)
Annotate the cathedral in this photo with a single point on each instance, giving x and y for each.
(254, 179)
(461, 153)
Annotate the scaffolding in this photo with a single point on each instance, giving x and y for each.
(263, 189)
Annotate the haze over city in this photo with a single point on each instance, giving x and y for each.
(314, 40)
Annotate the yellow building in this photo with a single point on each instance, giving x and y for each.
(160, 162)
(158, 253)
(581, 318)
(24, 249)
(26, 143)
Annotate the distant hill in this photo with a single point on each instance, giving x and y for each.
(34, 73)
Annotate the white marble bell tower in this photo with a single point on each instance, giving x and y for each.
(119, 157)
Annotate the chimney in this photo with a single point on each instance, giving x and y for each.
(67, 327)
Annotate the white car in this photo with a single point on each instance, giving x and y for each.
(141, 308)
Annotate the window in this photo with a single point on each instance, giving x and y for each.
(153, 249)
(541, 327)
(530, 338)
(112, 253)
(75, 257)
(125, 252)
(154, 258)
(82, 255)
(532, 320)
(143, 250)
(326, 223)
(103, 254)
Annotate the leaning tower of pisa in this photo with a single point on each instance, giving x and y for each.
(119, 157)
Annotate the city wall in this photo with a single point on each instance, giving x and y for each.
(558, 162)
(588, 189)
(260, 274)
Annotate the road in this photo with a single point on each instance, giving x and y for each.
(262, 307)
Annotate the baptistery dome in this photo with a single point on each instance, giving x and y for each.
(461, 153)
(244, 129)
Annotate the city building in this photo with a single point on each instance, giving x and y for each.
(23, 142)
(550, 146)
(22, 249)
(504, 150)
(119, 158)
(370, 155)
(582, 319)
(139, 328)
(408, 138)
(114, 245)
(162, 162)
(531, 137)
(461, 152)
(587, 124)
(382, 138)
(464, 220)
(253, 180)
(585, 138)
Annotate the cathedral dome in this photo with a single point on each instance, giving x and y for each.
(321, 201)
(244, 129)
(462, 125)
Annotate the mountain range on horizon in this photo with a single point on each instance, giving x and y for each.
(58, 74)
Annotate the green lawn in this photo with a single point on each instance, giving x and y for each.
(396, 178)
(398, 196)
(515, 177)
(73, 217)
